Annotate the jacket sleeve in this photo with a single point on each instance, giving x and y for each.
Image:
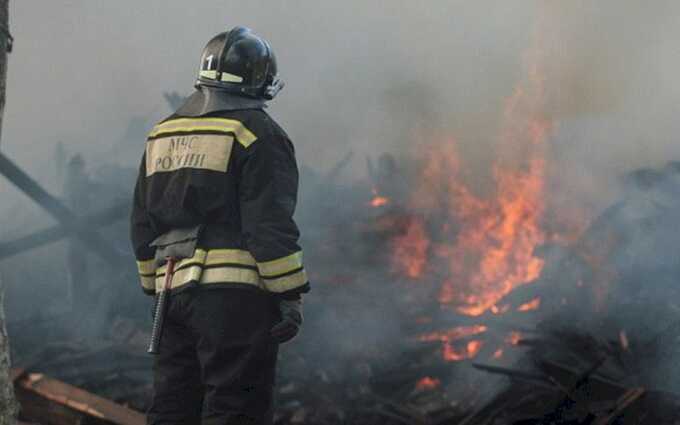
(142, 233)
(268, 196)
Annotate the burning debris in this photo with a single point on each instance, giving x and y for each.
(456, 303)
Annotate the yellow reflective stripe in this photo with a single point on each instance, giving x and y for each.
(199, 257)
(212, 257)
(231, 78)
(180, 277)
(281, 265)
(286, 283)
(197, 269)
(148, 282)
(209, 276)
(234, 256)
(146, 267)
(244, 136)
(208, 74)
(230, 275)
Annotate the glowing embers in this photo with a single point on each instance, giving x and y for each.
(456, 345)
(469, 351)
(378, 200)
(530, 306)
(428, 383)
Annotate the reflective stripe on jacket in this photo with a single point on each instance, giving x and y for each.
(234, 173)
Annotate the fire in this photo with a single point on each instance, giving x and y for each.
(454, 333)
(477, 242)
(427, 383)
(500, 310)
(471, 349)
(531, 305)
(410, 249)
(514, 338)
(379, 200)
(448, 338)
(486, 243)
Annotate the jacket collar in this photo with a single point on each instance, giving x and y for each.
(206, 100)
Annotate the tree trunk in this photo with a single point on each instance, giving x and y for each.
(8, 404)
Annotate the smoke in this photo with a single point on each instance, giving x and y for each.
(362, 77)
(87, 68)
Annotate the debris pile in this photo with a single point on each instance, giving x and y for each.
(578, 345)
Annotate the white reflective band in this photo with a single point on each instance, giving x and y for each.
(286, 283)
(148, 283)
(208, 74)
(234, 256)
(281, 265)
(221, 125)
(180, 277)
(198, 258)
(146, 267)
(231, 275)
(211, 275)
(217, 266)
(231, 78)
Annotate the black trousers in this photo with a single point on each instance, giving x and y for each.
(217, 362)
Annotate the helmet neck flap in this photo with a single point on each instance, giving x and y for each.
(206, 100)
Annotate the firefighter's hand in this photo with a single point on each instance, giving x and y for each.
(291, 321)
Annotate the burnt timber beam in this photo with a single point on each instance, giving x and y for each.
(48, 400)
(71, 222)
(55, 233)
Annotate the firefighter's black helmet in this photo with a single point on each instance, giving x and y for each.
(240, 62)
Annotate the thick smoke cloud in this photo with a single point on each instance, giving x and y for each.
(361, 76)
(366, 77)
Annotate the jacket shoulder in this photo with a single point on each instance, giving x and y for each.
(262, 124)
(236, 125)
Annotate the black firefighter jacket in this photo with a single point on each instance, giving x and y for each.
(234, 173)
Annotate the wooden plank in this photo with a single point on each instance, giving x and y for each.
(78, 400)
(55, 233)
(16, 373)
(38, 409)
(622, 404)
(573, 381)
(30, 187)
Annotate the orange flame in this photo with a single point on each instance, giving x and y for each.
(447, 338)
(500, 310)
(471, 349)
(454, 333)
(427, 383)
(514, 338)
(410, 249)
(379, 201)
(489, 241)
(530, 306)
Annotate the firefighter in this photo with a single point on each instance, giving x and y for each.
(223, 169)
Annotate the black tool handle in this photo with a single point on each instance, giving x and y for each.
(161, 308)
(158, 318)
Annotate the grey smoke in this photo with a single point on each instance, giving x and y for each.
(366, 77)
